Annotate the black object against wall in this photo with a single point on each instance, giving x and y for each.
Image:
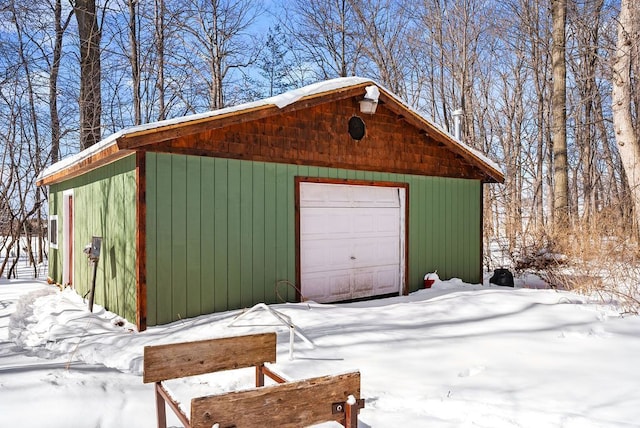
(502, 277)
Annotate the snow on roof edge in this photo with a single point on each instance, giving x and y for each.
(282, 100)
(473, 151)
(279, 101)
(77, 157)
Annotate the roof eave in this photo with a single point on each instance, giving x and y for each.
(493, 174)
(129, 140)
(138, 139)
(95, 160)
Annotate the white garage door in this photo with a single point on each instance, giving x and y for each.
(351, 241)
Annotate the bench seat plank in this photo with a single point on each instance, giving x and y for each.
(287, 405)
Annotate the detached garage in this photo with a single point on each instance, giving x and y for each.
(222, 210)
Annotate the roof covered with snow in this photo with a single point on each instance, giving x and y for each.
(110, 144)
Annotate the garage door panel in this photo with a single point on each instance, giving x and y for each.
(373, 252)
(340, 285)
(387, 280)
(374, 196)
(351, 221)
(381, 280)
(330, 255)
(325, 255)
(320, 221)
(363, 223)
(365, 253)
(363, 281)
(374, 220)
(315, 288)
(344, 195)
(388, 250)
(322, 288)
(350, 241)
(388, 222)
(314, 259)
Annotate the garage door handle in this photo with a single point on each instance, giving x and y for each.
(353, 258)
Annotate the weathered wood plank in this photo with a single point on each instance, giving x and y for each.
(177, 360)
(286, 405)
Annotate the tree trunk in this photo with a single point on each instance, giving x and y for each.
(134, 61)
(615, 197)
(559, 118)
(60, 28)
(34, 147)
(622, 92)
(343, 39)
(90, 72)
(159, 39)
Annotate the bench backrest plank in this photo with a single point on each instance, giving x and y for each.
(287, 405)
(178, 360)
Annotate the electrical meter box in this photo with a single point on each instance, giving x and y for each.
(94, 250)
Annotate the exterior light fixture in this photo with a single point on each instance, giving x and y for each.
(368, 106)
(369, 103)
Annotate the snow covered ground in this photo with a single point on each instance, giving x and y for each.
(456, 355)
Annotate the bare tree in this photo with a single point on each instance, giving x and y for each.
(166, 73)
(159, 44)
(60, 26)
(30, 131)
(559, 121)
(90, 72)
(134, 60)
(431, 16)
(596, 182)
(385, 27)
(20, 140)
(217, 32)
(624, 86)
(326, 35)
(535, 30)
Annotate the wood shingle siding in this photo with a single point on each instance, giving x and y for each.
(319, 137)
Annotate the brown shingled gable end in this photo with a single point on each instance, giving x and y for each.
(311, 131)
(318, 136)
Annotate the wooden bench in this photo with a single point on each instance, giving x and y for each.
(285, 404)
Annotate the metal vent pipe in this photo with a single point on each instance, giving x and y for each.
(457, 124)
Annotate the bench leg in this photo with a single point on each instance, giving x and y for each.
(259, 375)
(351, 411)
(161, 408)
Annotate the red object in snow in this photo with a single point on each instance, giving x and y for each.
(430, 279)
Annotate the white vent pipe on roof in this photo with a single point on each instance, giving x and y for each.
(457, 124)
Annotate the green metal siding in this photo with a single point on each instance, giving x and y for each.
(221, 232)
(103, 205)
(444, 228)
